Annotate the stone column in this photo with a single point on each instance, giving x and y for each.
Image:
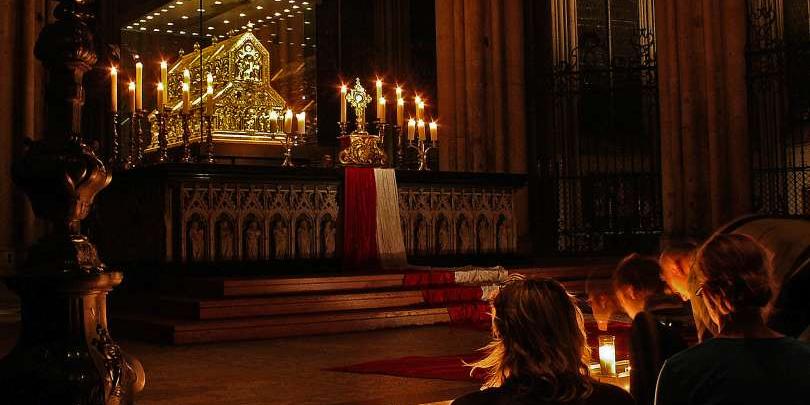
(480, 69)
(706, 176)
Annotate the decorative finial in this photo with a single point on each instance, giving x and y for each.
(359, 100)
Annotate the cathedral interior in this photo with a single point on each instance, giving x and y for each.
(318, 202)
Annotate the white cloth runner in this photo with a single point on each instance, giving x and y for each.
(389, 231)
(476, 275)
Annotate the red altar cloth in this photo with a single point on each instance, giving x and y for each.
(360, 220)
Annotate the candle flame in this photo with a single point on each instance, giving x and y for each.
(139, 65)
(113, 70)
(418, 99)
(382, 100)
(160, 86)
(131, 86)
(343, 88)
(411, 121)
(163, 64)
(379, 82)
(400, 101)
(210, 90)
(185, 86)
(433, 124)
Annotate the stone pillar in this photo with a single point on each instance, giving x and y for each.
(706, 175)
(480, 69)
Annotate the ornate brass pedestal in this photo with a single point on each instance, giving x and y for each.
(358, 149)
(65, 354)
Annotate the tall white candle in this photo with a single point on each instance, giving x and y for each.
(399, 92)
(381, 109)
(139, 86)
(343, 91)
(411, 128)
(159, 93)
(434, 131)
(379, 89)
(113, 89)
(420, 128)
(209, 101)
(302, 122)
(164, 79)
(186, 99)
(132, 97)
(288, 116)
(400, 112)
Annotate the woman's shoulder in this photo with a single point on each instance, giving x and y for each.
(487, 396)
(609, 394)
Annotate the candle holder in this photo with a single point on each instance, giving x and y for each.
(209, 138)
(423, 147)
(115, 153)
(290, 141)
(381, 131)
(140, 143)
(184, 116)
(360, 148)
(132, 153)
(399, 136)
(607, 355)
(163, 144)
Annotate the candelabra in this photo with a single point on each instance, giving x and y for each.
(163, 144)
(209, 138)
(184, 116)
(140, 145)
(399, 138)
(381, 126)
(115, 153)
(132, 153)
(423, 147)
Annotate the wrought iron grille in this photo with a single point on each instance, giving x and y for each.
(602, 155)
(778, 57)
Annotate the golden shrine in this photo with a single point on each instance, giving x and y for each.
(246, 107)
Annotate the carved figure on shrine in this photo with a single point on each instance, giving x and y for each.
(225, 240)
(303, 239)
(328, 233)
(280, 238)
(253, 236)
(196, 237)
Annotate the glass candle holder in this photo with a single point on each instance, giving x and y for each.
(607, 355)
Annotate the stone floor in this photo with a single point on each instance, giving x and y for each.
(290, 370)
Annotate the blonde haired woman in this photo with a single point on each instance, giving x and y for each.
(539, 353)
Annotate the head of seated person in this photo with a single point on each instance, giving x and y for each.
(637, 284)
(733, 273)
(539, 351)
(676, 263)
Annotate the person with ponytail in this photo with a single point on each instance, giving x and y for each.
(746, 362)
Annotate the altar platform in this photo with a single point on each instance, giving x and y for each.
(185, 308)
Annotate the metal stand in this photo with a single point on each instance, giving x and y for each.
(140, 143)
(186, 138)
(422, 148)
(115, 154)
(209, 138)
(163, 144)
(399, 136)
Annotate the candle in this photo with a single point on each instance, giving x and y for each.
(160, 97)
(399, 92)
(302, 122)
(420, 126)
(164, 79)
(420, 110)
(139, 86)
(379, 89)
(187, 78)
(381, 110)
(209, 101)
(416, 102)
(274, 120)
(288, 116)
(607, 355)
(113, 89)
(209, 80)
(411, 128)
(400, 112)
(434, 131)
(132, 97)
(186, 98)
(343, 91)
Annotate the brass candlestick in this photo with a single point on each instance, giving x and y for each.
(423, 146)
(162, 119)
(139, 137)
(115, 154)
(399, 136)
(184, 116)
(132, 154)
(290, 141)
(381, 126)
(209, 138)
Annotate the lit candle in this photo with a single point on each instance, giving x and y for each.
(274, 120)
(160, 97)
(411, 128)
(302, 122)
(209, 80)
(381, 110)
(379, 89)
(132, 97)
(399, 92)
(187, 78)
(164, 79)
(343, 91)
(607, 355)
(416, 102)
(186, 98)
(400, 112)
(209, 101)
(113, 89)
(434, 131)
(420, 126)
(420, 110)
(288, 116)
(139, 86)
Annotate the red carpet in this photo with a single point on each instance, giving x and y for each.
(452, 367)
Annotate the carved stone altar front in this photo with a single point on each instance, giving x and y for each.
(202, 214)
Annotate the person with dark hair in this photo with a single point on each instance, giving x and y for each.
(747, 362)
(656, 315)
(539, 354)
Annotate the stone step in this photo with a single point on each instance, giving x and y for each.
(162, 329)
(267, 285)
